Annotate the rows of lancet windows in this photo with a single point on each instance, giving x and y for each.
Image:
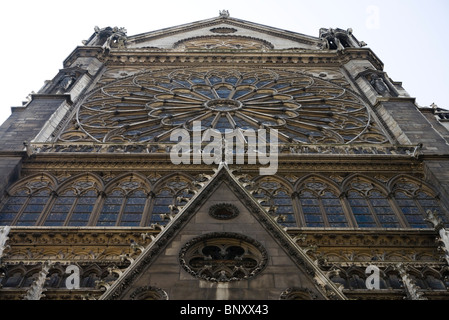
(132, 200)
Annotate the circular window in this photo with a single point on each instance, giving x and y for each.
(147, 107)
(223, 211)
(223, 257)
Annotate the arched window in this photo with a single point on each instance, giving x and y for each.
(161, 206)
(320, 206)
(370, 206)
(172, 195)
(74, 205)
(26, 204)
(414, 201)
(111, 209)
(277, 201)
(133, 209)
(124, 205)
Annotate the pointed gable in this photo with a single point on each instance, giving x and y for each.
(222, 33)
(222, 256)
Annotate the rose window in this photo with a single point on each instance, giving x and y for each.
(147, 107)
(223, 257)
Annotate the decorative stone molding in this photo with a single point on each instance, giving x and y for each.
(37, 288)
(433, 218)
(223, 257)
(4, 231)
(412, 289)
(293, 57)
(149, 293)
(298, 294)
(223, 211)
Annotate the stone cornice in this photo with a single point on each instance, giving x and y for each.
(73, 162)
(292, 57)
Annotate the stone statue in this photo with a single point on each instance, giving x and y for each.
(224, 14)
(379, 85)
(66, 82)
(116, 40)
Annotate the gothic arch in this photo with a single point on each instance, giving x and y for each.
(161, 183)
(356, 277)
(428, 270)
(89, 177)
(319, 202)
(14, 277)
(281, 180)
(329, 182)
(297, 294)
(132, 176)
(370, 204)
(170, 194)
(27, 200)
(275, 195)
(149, 293)
(414, 198)
(346, 184)
(35, 177)
(421, 184)
(55, 277)
(74, 201)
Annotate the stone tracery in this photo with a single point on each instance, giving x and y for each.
(148, 107)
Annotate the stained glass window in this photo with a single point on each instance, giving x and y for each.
(311, 209)
(13, 207)
(360, 210)
(414, 201)
(83, 208)
(133, 209)
(26, 203)
(302, 107)
(162, 201)
(111, 209)
(320, 206)
(169, 200)
(277, 201)
(61, 209)
(33, 208)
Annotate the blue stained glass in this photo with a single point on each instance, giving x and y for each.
(198, 81)
(248, 80)
(313, 218)
(232, 80)
(214, 80)
(240, 93)
(223, 92)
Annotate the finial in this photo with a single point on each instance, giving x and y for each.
(224, 14)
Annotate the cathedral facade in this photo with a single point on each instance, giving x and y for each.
(224, 160)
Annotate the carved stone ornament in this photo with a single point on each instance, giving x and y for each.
(223, 30)
(223, 211)
(149, 293)
(223, 257)
(296, 104)
(298, 294)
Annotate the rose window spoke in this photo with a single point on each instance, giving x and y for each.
(147, 107)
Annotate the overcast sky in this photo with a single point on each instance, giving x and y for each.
(409, 36)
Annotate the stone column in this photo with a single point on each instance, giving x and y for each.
(443, 233)
(37, 288)
(411, 288)
(4, 231)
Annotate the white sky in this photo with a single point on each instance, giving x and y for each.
(409, 36)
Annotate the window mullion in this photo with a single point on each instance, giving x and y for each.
(70, 213)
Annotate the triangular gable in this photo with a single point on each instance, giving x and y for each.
(222, 28)
(286, 257)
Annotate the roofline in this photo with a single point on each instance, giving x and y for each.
(219, 20)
